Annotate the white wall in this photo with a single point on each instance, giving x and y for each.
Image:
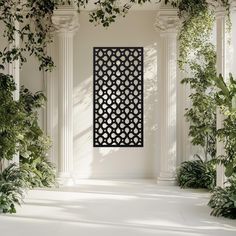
(135, 30)
(3, 43)
(32, 78)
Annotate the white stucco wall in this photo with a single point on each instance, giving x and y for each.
(135, 30)
(32, 79)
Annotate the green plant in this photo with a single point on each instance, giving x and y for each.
(223, 200)
(11, 120)
(196, 174)
(12, 185)
(34, 18)
(225, 99)
(198, 59)
(19, 131)
(35, 145)
(39, 173)
(107, 11)
(11, 133)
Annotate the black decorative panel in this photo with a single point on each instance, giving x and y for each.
(118, 97)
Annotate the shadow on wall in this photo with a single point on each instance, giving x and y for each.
(90, 162)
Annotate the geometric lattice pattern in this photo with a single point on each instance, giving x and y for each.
(118, 97)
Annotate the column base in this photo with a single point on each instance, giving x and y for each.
(166, 182)
(166, 179)
(65, 179)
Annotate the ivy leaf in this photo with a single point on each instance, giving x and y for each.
(229, 169)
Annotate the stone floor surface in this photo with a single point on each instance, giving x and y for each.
(116, 208)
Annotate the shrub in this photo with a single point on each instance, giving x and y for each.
(12, 184)
(35, 146)
(20, 132)
(40, 173)
(11, 119)
(196, 174)
(223, 200)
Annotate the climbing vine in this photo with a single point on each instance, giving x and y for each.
(197, 58)
(34, 27)
(208, 91)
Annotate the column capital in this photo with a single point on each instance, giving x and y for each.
(219, 8)
(167, 20)
(65, 19)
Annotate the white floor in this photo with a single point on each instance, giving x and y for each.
(115, 208)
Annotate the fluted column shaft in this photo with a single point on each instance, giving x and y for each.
(14, 70)
(65, 20)
(65, 99)
(221, 46)
(168, 129)
(166, 22)
(50, 108)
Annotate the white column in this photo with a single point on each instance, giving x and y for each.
(186, 142)
(184, 145)
(14, 70)
(14, 67)
(66, 22)
(65, 99)
(167, 24)
(221, 46)
(50, 105)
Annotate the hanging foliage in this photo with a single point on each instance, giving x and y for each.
(197, 58)
(208, 91)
